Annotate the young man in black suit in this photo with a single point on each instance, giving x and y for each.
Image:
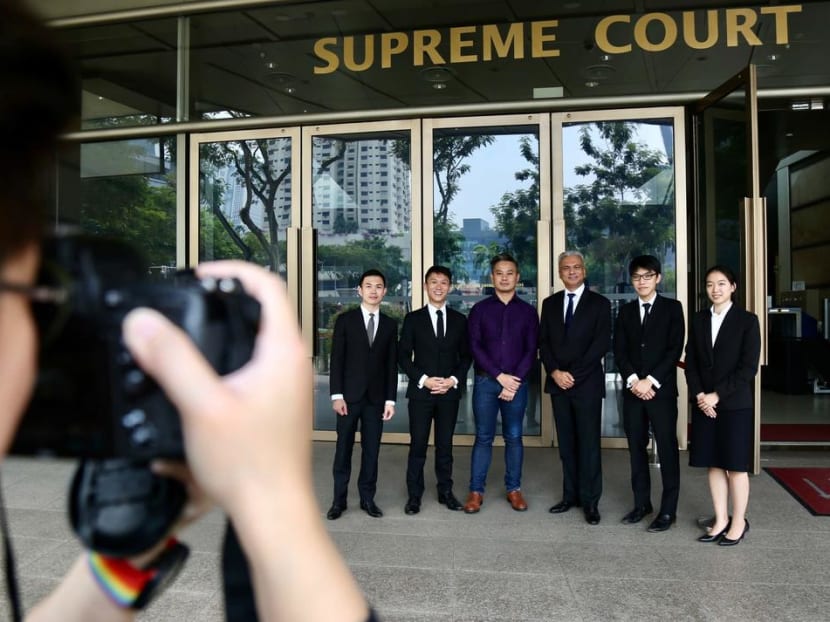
(648, 342)
(364, 382)
(434, 352)
(575, 334)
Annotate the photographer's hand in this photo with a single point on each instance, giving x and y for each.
(248, 444)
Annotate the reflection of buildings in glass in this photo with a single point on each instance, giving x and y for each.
(235, 191)
(365, 190)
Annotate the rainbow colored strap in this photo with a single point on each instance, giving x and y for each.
(119, 579)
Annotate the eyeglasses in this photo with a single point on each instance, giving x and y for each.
(37, 293)
(643, 277)
(49, 306)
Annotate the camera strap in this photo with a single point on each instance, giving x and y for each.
(11, 572)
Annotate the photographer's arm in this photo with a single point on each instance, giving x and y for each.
(248, 443)
(78, 598)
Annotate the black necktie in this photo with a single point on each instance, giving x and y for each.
(439, 324)
(370, 329)
(569, 312)
(646, 307)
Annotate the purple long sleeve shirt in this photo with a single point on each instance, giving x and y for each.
(503, 337)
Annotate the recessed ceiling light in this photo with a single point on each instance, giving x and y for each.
(438, 74)
(439, 86)
(773, 57)
(605, 58)
(591, 84)
(290, 89)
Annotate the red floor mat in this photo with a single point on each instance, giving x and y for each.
(806, 432)
(810, 486)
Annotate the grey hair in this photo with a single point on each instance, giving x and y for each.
(564, 254)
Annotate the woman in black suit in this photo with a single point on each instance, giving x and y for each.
(721, 362)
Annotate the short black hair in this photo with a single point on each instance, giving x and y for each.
(371, 272)
(503, 257)
(40, 97)
(645, 262)
(439, 270)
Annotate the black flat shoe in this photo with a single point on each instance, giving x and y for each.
(562, 506)
(592, 515)
(371, 509)
(335, 511)
(413, 506)
(661, 523)
(450, 501)
(724, 541)
(715, 537)
(637, 514)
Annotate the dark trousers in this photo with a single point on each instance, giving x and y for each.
(578, 428)
(370, 418)
(240, 605)
(421, 415)
(662, 415)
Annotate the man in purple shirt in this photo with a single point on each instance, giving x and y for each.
(504, 333)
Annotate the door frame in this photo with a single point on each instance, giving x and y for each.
(753, 214)
(678, 116)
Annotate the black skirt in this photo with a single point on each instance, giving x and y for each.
(724, 442)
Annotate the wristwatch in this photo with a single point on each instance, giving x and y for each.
(132, 587)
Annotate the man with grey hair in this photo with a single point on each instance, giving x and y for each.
(574, 335)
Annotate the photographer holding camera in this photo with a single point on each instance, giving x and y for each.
(251, 459)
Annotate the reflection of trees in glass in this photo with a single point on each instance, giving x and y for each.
(518, 213)
(258, 166)
(130, 208)
(348, 261)
(627, 206)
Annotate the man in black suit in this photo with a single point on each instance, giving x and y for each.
(435, 354)
(648, 342)
(575, 334)
(364, 382)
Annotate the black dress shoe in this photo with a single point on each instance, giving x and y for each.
(714, 537)
(661, 523)
(335, 511)
(450, 501)
(371, 509)
(637, 514)
(413, 506)
(724, 541)
(592, 515)
(562, 506)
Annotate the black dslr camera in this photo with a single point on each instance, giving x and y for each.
(91, 399)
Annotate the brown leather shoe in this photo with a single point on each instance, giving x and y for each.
(474, 501)
(517, 501)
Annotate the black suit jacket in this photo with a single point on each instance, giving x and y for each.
(358, 371)
(730, 366)
(582, 350)
(653, 353)
(420, 352)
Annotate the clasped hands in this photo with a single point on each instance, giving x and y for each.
(438, 385)
(643, 389)
(509, 386)
(706, 402)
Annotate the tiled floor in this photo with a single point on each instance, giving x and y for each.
(499, 564)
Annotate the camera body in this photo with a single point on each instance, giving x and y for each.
(91, 399)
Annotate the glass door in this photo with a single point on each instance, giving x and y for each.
(247, 205)
(486, 191)
(620, 192)
(729, 220)
(360, 211)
